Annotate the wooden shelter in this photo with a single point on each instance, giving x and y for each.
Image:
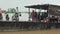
(51, 9)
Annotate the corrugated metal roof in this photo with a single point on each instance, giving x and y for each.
(53, 8)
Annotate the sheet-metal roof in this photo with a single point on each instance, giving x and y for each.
(45, 6)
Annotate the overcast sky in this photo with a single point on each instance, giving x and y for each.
(5, 4)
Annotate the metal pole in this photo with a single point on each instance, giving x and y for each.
(29, 13)
(40, 15)
(35, 16)
(17, 18)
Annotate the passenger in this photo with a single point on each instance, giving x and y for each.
(17, 17)
(7, 17)
(39, 16)
(53, 19)
(46, 20)
(33, 15)
(0, 14)
(13, 17)
(20, 14)
(36, 16)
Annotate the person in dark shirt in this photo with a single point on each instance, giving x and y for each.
(7, 17)
(16, 16)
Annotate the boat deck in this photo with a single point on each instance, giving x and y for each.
(26, 24)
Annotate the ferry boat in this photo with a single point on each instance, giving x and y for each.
(42, 20)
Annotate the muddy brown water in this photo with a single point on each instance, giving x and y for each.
(49, 31)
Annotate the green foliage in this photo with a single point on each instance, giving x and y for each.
(4, 11)
(10, 10)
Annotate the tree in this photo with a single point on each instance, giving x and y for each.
(4, 11)
(11, 10)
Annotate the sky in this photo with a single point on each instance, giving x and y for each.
(5, 4)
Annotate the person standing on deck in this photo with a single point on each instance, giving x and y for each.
(13, 17)
(46, 20)
(7, 17)
(17, 14)
(0, 14)
(33, 15)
